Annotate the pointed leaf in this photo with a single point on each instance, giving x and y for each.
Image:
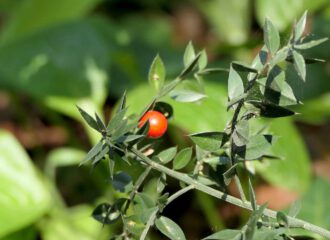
(167, 155)
(100, 123)
(230, 173)
(271, 36)
(122, 102)
(300, 27)
(116, 120)
(299, 64)
(257, 146)
(157, 73)
(189, 54)
(186, 95)
(182, 158)
(209, 141)
(190, 67)
(252, 196)
(92, 153)
(227, 234)
(101, 154)
(169, 228)
(310, 44)
(202, 62)
(271, 111)
(89, 119)
(122, 182)
(241, 67)
(235, 84)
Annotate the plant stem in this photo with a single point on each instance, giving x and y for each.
(292, 222)
(137, 185)
(153, 216)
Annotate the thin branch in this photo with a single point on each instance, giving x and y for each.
(153, 216)
(292, 222)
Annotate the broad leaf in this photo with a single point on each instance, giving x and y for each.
(186, 95)
(209, 141)
(182, 158)
(106, 213)
(299, 64)
(122, 182)
(271, 36)
(169, 228)
(189, 54)
(235, 84)
(167, 155)
(188, 69)
(257, 146)
(25, 197)
(202, 62)
(157, 74)
(300, 27)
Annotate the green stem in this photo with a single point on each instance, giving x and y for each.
(153, 216)
(292, 222)
(137, 185)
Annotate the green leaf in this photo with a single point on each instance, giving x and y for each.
(300, 27)
(268, 234)
(310, 44)
(133, 225)
(252, 196)
(315, 203)
(242, 67)
(106, 214)
(169, 228)
(61, 157)
(161, 183)
(271, 36)
(241, 133)
(189, 54)
(100, 123)
(101, 154)
(122, 102)
(271, 111)
(186, 96)
(229, 174)
(209, 141)
(182, 158)
(279, 57)
(252, 223)
(122, 182)
(235, 84)
(227, 234)
(89, 119)
(202, 62)
(291, 147)
(257, 146)
(190, 67)
(92, 153)
(167, 155)
(299, 64)
(157, 74)
(116, 121)
(25, 197)
(276, 89)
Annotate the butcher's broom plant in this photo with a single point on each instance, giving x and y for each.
(256, 90)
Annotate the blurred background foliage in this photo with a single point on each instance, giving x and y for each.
(56, 54)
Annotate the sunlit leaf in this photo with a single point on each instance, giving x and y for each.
(300, 27)
(271, 36)
(182, 158)
(169, 228)
(235, 84)
(210, 141)
(299, 64)
(157, 73)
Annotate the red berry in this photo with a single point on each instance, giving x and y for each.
(157, 123)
